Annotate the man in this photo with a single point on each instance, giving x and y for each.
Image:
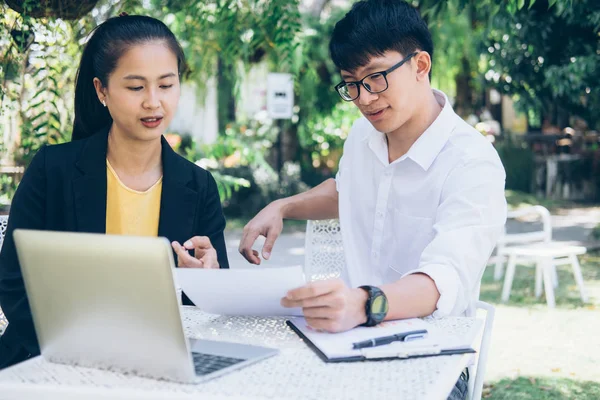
(419, 193)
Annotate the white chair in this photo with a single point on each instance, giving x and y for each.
(537, 248)
(324, 250)
(324, 259)
(546, 256)
(478, 369)
(508, 239)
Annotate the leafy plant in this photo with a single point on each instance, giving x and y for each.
(7, 189)
(322, 138)
(549, 57)
(44, 104)
(66, 9)
(241, 146)
(239, 162)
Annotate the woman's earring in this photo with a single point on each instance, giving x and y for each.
(104, 103)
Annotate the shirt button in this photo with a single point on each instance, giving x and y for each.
(388, 173)
(379, 214)
(374, 254)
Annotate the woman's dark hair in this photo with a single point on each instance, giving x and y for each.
(372, 27)
(109, 41)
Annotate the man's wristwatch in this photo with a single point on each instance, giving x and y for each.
(376, 306)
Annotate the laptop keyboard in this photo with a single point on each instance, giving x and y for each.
(205, 364)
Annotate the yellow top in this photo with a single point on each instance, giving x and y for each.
(129, 212)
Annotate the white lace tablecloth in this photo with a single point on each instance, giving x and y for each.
(296, 373)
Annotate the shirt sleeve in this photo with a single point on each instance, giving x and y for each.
(338, 176)
(468, 224)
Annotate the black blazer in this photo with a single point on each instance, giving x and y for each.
(64, 189)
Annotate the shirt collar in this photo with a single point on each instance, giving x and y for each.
(429, 144)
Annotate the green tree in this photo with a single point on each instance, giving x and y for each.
(38, 72)
(544, 52)
(221, 38)
(549, 58)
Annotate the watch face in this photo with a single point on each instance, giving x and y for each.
(379, 307)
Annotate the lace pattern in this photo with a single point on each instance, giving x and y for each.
(296, 373)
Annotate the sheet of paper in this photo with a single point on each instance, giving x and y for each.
(250, 291)
(339, 345)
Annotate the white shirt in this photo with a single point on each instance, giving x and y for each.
(438, 210)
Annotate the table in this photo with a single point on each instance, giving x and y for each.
(296, 373)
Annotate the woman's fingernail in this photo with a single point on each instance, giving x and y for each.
(188, 244)
(266, 255)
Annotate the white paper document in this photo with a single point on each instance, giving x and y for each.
(249, 291)
(335, 346)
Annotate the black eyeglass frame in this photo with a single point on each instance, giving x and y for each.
(360, 83)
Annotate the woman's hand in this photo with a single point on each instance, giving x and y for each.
(205, 255)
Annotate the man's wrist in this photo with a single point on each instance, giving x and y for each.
(361, 302)
(282, 206)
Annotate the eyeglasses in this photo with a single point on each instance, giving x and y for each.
(374, 83)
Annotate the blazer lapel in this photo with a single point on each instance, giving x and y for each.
(89, 187)
(179, 201)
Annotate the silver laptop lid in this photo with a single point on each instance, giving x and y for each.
(105, 301)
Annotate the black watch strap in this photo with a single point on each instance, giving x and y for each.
(374, 295)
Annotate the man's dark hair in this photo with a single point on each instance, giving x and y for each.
(373, 27)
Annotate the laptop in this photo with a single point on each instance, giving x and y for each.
(109, 302)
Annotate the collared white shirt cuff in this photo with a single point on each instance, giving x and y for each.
(448, 284)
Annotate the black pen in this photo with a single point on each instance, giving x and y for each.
(399, 337)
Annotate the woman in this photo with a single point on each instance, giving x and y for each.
(118, 175)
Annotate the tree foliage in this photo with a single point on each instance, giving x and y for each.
(549, 57)
(545, 52)
(37, 75)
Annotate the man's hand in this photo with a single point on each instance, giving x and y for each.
(205, 255)
(267, 223)
(329, 305)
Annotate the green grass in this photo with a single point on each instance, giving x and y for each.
(517, 199)
(566, 294)
(533, 388)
